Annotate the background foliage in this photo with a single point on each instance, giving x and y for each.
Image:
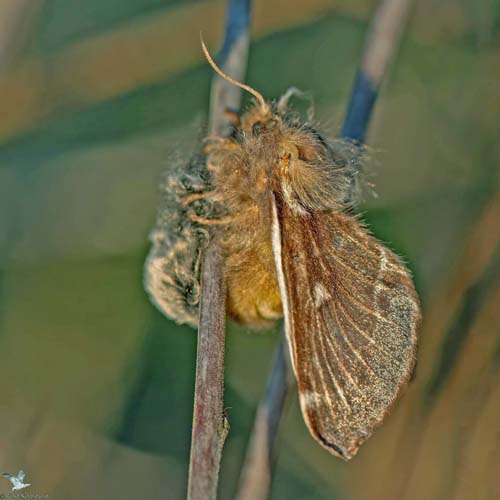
(95, 97)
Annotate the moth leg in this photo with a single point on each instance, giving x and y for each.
(211, 167)
(219, 144)
(186, 200)
(233, 117)
(212, 222)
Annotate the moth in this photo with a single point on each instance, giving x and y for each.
(283, 196)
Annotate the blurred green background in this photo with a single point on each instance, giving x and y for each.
(96, 386)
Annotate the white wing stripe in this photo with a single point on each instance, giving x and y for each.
(285, 300)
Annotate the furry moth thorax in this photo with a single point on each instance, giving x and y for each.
(275, 150)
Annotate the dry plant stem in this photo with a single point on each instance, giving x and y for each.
(382, 42)
(255, 480)
(225, 97)
(383, 38)
(209, 423)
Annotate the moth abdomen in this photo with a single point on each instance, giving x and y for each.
(172, 268)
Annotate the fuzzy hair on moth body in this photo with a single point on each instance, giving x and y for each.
(283, 195)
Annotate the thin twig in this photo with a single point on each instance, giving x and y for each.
(209, 424)
(382, 42)
(255, 478)
(232, 60)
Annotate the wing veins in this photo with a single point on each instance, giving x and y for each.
(391, 267)
(341, 364)
(354, 350)
(338, 389)
(363, 277)
(371, 312)
(353, 323)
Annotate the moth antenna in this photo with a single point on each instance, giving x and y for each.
(262, 102)
(283, 102)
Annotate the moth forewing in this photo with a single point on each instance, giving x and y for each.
(277, 252)
(351, 315)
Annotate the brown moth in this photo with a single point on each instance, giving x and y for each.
(283, 194)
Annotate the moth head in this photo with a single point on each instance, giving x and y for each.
(311, 171)
(289, 155)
